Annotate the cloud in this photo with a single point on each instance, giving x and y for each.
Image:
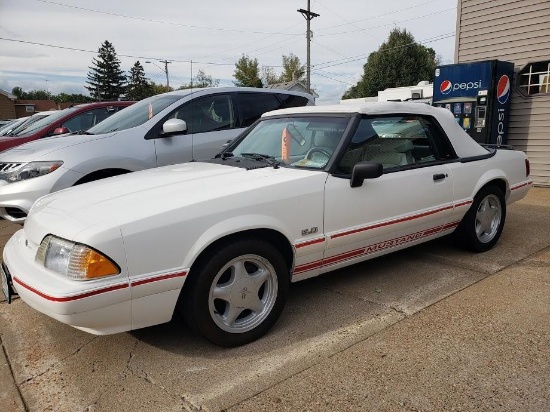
(213, 35)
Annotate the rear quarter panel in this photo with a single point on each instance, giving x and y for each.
(505, 165)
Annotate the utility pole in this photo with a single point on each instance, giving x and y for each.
(166, 71)
(308, 15)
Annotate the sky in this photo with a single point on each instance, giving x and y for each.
(49, 45)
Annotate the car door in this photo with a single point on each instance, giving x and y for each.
(411, 201)
(210, 123)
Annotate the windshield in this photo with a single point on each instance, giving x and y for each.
(43, 122)
(135, 115)
(8, 128)
(296, 141)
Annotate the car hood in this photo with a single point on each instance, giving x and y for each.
(189, 188)
(37, 149)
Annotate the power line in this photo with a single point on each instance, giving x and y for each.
(339, 62)
(377, 17)
(165, 22)
(387, 24)
(118, 54)
(336, 80)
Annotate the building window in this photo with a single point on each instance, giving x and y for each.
(29, 109)
(534, 79)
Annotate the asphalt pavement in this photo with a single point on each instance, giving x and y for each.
(431, 328)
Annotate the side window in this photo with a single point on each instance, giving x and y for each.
(290, 100)
(84, 121)
(207, 114)
(396, 142)
(253, 105)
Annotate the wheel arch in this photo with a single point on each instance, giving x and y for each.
(101, 174)
(496, 178)
(272, 236)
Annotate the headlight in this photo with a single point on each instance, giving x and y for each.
(30, 170)
(73, 260)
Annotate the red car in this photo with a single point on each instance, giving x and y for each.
(73, 119)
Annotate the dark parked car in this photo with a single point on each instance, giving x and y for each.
(73, 119)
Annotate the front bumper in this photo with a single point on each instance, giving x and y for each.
(100, 307)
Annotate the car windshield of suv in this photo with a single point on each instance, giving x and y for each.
(44, 122)
(307, 142)
(135, 115)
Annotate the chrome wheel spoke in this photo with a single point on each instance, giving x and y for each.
(222, 292)
(243, 293)
(488, 217)
(256, 305)
(239, 270)
(231, 314)
(260, 277)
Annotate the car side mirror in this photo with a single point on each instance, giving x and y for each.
(365, 170)
(60, 130)
(173, 126)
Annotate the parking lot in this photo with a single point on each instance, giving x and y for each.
(430, 328)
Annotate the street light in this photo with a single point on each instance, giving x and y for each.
(165, 70)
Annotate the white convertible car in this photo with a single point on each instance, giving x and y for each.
(302, 192)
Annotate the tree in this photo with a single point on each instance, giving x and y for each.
(200, 80)
(247, 73)
(71, 98)
(158, 88)
(269, 76)
(17, 92)
(106, 79)
(32, 95)
(138, 86)
(400, 61)
(292, 69)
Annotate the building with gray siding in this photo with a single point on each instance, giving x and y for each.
(517, 31)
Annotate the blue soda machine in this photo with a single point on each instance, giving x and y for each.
(478, 94)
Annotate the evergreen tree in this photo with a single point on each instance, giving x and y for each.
(247, 73)
(400, 61)
(105, 79)
(138, 87)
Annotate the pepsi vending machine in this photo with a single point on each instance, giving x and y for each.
(478, 94)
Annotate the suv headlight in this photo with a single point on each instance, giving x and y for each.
(30, 170)
(74, 260)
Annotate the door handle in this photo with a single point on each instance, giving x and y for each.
(439, 176)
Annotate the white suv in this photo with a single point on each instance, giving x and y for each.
(165, 129)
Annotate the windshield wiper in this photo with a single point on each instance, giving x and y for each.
(82, 132)
(224, 155)
(270, 160)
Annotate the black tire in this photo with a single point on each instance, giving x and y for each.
(250, 278)
(479, 231)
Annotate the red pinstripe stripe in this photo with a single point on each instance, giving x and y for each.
(310, 242)
(156, 279)
(376, 247)
(521, 185)
(465, 203)
(404, 219)
(343, 256)
(308, 266)
(70, 298)
(98, 291)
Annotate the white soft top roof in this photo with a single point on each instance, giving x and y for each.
(463, 144)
